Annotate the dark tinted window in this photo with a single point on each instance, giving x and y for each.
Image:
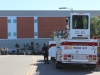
(80, 22)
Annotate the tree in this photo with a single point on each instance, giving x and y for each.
(17, 45)
(37, 45)
(27, 45)
(32, 45)
(94, 26)
(52, 35)
(24, 46)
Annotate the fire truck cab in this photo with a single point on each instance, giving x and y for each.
(74, 45)
(79, 27)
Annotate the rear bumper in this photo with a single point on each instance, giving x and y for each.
(81, 63)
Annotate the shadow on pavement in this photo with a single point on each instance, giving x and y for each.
(50, 69)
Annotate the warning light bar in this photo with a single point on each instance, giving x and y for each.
(95, 37)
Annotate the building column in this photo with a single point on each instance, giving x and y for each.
(12, 27)
(35, 27)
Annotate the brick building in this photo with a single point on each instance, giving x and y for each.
(17, 24)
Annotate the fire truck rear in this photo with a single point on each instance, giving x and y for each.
(74, 46)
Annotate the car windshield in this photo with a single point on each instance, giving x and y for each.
(80, 22)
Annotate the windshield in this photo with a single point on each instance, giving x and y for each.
(80, 22)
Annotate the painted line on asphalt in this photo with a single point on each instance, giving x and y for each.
(33, 67)
(4, 56)
(33, 70)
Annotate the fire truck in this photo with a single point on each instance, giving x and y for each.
(73, 45)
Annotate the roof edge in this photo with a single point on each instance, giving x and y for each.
(50, 10)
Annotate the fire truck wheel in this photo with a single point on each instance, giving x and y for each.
(52, 58)
(58, 65)
(91, 66)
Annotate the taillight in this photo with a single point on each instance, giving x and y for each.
(90, 55)
(65, 55)
(95, 37)
(69, 55)
(94, 56)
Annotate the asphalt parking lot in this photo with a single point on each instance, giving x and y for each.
(34, 65)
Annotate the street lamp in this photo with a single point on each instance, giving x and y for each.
(66, 8)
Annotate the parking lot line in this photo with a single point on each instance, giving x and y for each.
(31, 70)
(2, 56)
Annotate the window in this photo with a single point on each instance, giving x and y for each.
(9, 34)
(35, 34)
(80, 22)
(14, 20)
(68, 22)
(14, 34)
(9, 20)
(35, 20)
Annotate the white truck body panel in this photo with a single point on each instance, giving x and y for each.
(79, 57)
(53, 49)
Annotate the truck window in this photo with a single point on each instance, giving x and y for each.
(68, 21)
(80, 22)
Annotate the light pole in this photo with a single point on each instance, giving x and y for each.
(66, 8)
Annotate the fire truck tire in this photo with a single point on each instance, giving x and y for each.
(58, 65)
(52, 58)
(91, 66)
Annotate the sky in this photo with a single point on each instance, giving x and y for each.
(49, 4)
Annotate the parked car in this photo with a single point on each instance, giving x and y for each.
(37, 52)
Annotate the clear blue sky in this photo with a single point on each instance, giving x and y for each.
(49, 4)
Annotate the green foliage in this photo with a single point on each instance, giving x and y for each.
(27, 45)
(32, 46)
(32, 43)
(24, 46)
(52, 35)
(16, 45)
(37, 45)
(95, 24)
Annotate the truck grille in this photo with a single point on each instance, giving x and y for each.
(79, 37)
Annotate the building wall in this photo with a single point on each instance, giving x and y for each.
(46, 25)
(3, 28)
(30, 27)
(10, 43)
(45, 13)
(31, 24)
(25, 27)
